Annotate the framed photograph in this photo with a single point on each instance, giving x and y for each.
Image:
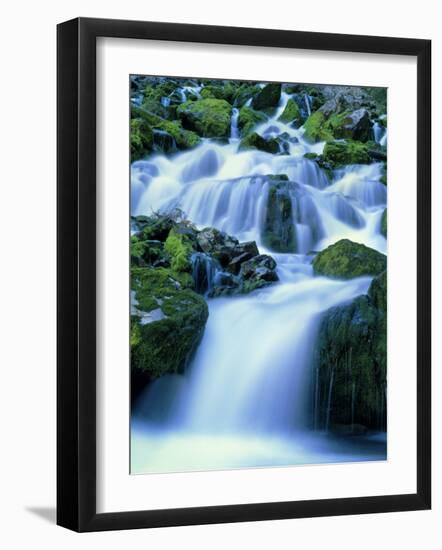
(243, 274)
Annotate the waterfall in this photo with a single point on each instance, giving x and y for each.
(248, 389)
(308, 104)
(204, 271)
(234, 132)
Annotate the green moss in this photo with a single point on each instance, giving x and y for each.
(255, 141)
(166, 345)
(249, 118)
(291, 112)
(342, 153)
(384, 223)
(179, 249)
(141, 139)
(347, 259)
(316, 128)
(207, 117)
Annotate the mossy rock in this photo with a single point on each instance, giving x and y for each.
(207, 117)
(166, 325)
(147, 253)
(141, 139)
(267, 97)
(351, 363)
(342, 153)
(384, 223)
(184, 139)
(224, 90)
(255, 141)
(347, 259)
(244, 93)
(316, 128)
(249, 118)
(378, 292)
(291, 112)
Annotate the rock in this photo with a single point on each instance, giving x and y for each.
(342, 153)
(156, 227)
(384, 223)
(268, 96)
(244, 93)
(162, 343)
(316, 128)
(258, 272)
(255, 141)
(331, 122)
(207, 117)
(147, 253)
(278, 230)
(347, 259)
(184, 139)
(291, 112)
(354, 125)
(378, 292)
(163, 142)
(218, 244)
(248, 119)
(351, 363)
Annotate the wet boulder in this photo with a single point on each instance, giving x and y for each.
(207, 117)
(267, 97)
(350, 371)
(346, 259)
(278, 230)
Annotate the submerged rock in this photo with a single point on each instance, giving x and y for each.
(279, 230)
(351, 363)
(347, 259)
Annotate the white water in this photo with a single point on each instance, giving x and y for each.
(246, 400)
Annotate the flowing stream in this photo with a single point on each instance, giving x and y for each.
(248, 398)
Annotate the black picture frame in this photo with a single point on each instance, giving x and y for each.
(76, 274)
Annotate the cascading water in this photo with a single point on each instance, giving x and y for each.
(247, 398)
